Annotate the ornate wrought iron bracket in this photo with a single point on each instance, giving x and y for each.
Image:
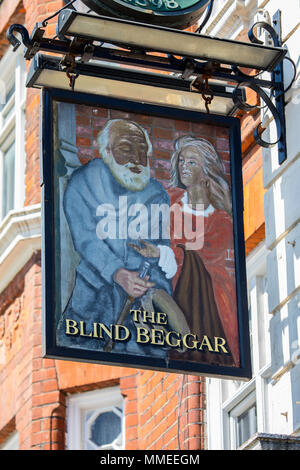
(277, 108)
(199, 75)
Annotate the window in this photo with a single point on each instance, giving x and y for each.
(103, 429)
(12, 125)
(243, 420)
(95, 420)
(8, 184)
(246, 425)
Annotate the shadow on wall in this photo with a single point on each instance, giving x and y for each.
(283, 263)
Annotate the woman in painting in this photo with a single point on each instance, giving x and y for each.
(203, 287)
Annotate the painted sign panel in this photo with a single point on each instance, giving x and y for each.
(173, 13)
(143, 237)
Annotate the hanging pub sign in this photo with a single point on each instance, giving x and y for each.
(143, 248)
(178, 14)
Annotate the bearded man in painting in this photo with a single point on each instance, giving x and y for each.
(99, 204)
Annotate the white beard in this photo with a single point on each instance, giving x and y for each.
(125, 177)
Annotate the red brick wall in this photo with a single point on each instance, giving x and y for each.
(162, 132)
(35, 11)
(11, 11)
(172, 411)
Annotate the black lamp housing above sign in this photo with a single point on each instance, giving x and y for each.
(179, 14)
(211, 67)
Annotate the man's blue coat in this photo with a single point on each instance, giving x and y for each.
(96, 297)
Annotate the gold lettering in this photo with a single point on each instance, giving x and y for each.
(194, 343)
(71, 324)
(106, 330)
(95, 326)
(142, 332)
(206, 342)
(148, 317)
(135, 314)
(157, 337)
(118, 332)
(162, 318)
(159, 318)
(220, 344)
(168, 340)
(82, 329)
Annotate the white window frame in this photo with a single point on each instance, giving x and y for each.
(235, 413)
(12, 442)
(243, 399)
(104, 400)
(12, 67)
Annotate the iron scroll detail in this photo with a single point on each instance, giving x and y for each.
(14, 41)
(262, 24)
(247, 107)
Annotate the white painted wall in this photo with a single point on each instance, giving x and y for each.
(282, 214)
(277, 382)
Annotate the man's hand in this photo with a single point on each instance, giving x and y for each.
(132, 283)
(148, 250)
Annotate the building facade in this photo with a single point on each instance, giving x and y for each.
(53, 404)
(265, 412)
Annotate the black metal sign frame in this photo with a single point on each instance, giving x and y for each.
(50, 249)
